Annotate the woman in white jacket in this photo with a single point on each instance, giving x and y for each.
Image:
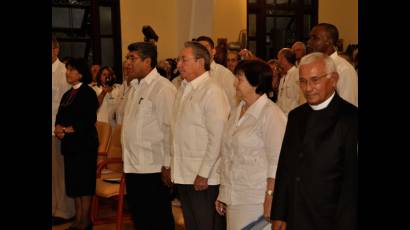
(251, 144)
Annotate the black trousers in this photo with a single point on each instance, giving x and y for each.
(198, 208)
(149, 201)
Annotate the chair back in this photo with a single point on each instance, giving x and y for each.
(115, 149)
(113, 167)
(104, 135)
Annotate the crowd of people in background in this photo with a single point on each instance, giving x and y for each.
(239, 140)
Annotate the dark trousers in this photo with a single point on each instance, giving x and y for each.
(149, 202)
(198, 208)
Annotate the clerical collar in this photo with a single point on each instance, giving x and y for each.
(76, 86)
(323, 104)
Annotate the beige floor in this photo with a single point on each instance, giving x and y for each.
(179, 222)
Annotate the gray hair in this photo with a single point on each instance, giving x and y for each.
(330, 66)
(200, 51)
(299, 43)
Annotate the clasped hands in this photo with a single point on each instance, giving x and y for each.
(60, 131)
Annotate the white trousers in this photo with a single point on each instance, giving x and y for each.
(62, 205)
(238, 216)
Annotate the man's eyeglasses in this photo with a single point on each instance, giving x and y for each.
(315, 80)
(184, 59)
(131, 58)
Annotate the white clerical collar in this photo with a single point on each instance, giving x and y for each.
(76, 86)
(323, 104)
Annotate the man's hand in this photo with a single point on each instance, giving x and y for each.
(220, 207)
(59, 131)
(246, 54)
(166, 176)
(200, 183)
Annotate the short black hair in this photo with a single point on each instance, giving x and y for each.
(81, 65)
(258, 73)
(331, 31)
(145, 50)
(207, 39)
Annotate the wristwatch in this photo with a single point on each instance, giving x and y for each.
(269, 192)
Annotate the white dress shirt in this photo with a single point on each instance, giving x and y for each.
(198, 120)
(250, 152)
(59, 87)
(108, 107)
(177, 81)
(290, 95)
(347, 85)
(119, 113)
(225, 78)
(145, 135)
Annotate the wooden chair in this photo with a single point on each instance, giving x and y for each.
(104, 131)
(111, 168)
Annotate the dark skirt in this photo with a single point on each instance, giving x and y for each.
(80, 173)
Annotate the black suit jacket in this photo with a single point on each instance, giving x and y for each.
(81, 113)
(316, 180)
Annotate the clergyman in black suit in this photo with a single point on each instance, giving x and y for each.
(75, 127)
(316, 180)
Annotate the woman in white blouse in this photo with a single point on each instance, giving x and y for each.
(109, 94)
(251, 144)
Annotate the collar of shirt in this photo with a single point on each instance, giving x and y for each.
(76, 86)
(293, 68)
(147, 79)
(334, 55)
(256, 108)
(213, 66)
(56, 64)
(196, 82)
(323, 104)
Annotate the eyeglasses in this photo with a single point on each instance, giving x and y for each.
(131, 58)
(184, 59)
(315, 80)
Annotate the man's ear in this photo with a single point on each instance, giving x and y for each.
(335, 78)
(213, 52)
(147, 61)
(201, 61)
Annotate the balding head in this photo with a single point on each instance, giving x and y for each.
(286, 58)
(299, 49)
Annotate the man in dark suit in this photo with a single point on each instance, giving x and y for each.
(316, 181)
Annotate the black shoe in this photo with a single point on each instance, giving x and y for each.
(89, 227)
(56, 220)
